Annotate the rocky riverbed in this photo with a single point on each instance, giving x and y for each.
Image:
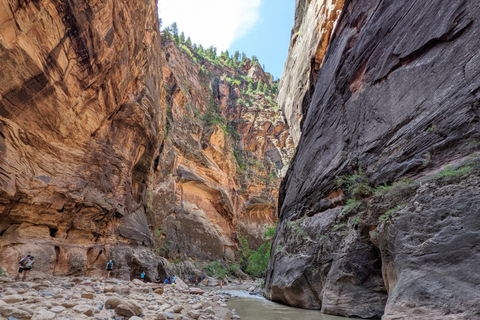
(101, 299)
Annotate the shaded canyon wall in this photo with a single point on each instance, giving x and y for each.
(379, 209)
(81, 121)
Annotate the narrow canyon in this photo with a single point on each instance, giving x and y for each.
(355, 176)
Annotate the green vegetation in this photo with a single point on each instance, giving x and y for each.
(215, 269)
(449, 171)
(384, 217)
(255, 262)
(351, 206)
(165, 249)
(356, 184)
(295, 225)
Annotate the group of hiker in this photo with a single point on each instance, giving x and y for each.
(26, 264)
(169, 280)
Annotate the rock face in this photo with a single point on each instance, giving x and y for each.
(313, 26)
(80, 125)
(226, 150)
(397, 96)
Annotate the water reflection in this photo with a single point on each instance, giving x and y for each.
(253, 307)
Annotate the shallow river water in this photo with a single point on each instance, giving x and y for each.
(254, 307)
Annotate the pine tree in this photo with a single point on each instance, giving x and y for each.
(236, 55)
(189, 42)
(202, 72)
(265, 88)
(182, 38)
(174, 29)
(250, 87)
(244, 56)
(259, 86)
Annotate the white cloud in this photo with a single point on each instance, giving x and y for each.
(211, 22)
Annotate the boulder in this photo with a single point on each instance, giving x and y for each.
(124, 310)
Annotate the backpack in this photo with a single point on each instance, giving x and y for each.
(23, 261)
(29, 263)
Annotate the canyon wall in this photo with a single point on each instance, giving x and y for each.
(311, 32)
(222, 160)
(82, 116)
(379, 208)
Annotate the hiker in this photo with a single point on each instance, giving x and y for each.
(196, 282)
(27, 267)
(221, 283)
(142, 276)
(166, 280)
(158, 280)
(109, 268)
(21, 265)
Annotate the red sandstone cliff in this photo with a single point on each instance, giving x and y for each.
(225, 152)
(81, 120)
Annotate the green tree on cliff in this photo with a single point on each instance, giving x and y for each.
(182, 38)
(188, 42)
(259, 86)
(250, 88)
(174, 29)
(265, 88)
(236, 55)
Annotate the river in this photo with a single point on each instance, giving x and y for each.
(255, 307)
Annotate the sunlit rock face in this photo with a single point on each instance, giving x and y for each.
(313, 27)
(216, 182)
(81, 121)
(397, 96)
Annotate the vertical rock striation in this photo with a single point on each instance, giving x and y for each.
(80, 120)
(398, 95)
(313, 26)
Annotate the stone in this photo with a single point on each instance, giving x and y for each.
(197, 306)
(209, 310)
(43, 315)
(58, 309)
(85, 309)
(138, 282)
(124, 310)
(69, 304)
(88, 295)
(122, 290)
(158, 291)
(14, 298)
(177, 308)
(194, 314)
(161, 316)
(136, 307)
(109, 289)
(196, 291)
(8, 311)
(142, 290)
(112, 302)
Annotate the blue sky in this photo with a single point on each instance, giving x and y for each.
(256, 27)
